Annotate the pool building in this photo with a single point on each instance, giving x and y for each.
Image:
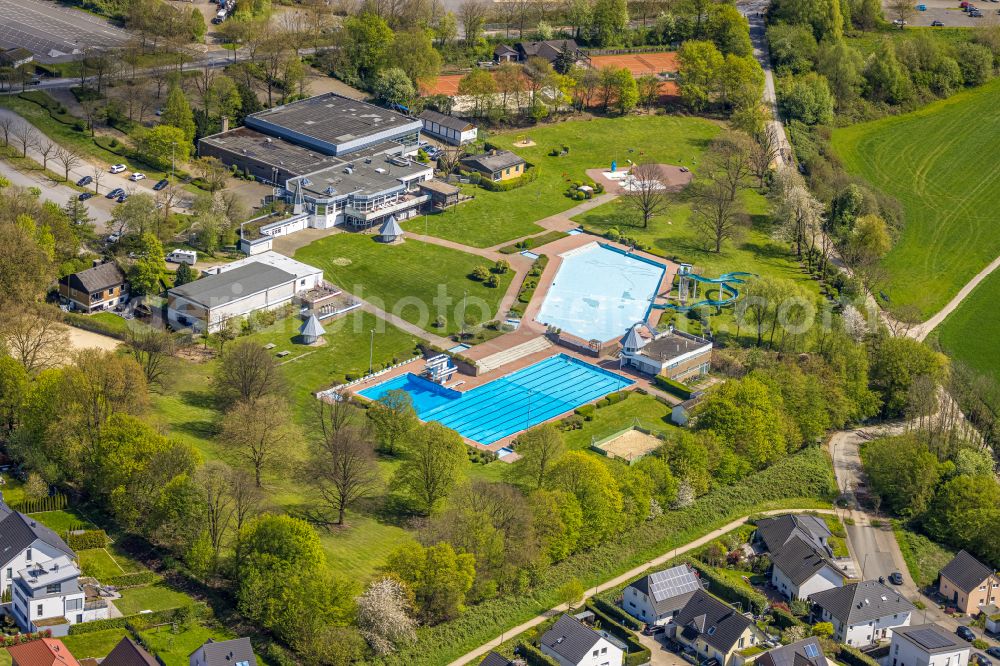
(674, 354)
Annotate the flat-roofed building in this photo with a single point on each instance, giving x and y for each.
(679, 356)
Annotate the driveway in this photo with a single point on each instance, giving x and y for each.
(659, 655)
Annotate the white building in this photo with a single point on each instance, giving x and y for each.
(23, 542)
(49, 596)
(449, 129)
(863, 613)
(679, 356)
(657, 597)
(572, 643)
(926, 645)
(799, 570)
(309, 277)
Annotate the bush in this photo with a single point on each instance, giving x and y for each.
(51, 503)
(529, 176)
(139, 621)
(534, 656)
(137, 579)
(783, 619)
(851, 656)
(87, 539)
(533, 241)
(980, 644)
(637, 653)
(748, 598)
(586, 411)
(617, 614)
(674, 387)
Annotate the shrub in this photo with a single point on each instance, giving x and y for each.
(783, 619)
(507, 185)
(138, 621)
(137, 579)
(50, 503)
(980, 644)
(586, 411)
(534, 657)
(676, 388)
(637, 653)
(87, 539)
(617, 614)
(748, 598)
(851, 656)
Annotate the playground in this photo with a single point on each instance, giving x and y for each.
(629, 445)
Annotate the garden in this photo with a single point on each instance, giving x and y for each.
(497, 217)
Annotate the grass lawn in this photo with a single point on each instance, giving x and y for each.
(5, 658)
(650, 413)
(924, 558)
(97, 562)
(13, 490)
(939, 163)
(838, 540)
(63, 520)
(969, 333)
(494, 217)
(174, 649)
(95, 645)
(152, 597)
(406, 279)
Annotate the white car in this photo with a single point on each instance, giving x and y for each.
(117, 168)
(136, 177)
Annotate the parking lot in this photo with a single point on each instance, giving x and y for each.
(950, 14)
(54, 33)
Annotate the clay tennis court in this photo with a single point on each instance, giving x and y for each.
(446, 84)
(639, 63)
(631, 445)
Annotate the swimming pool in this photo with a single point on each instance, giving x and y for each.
(509, 404)
(600, 291)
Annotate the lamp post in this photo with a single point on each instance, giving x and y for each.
(371, 353)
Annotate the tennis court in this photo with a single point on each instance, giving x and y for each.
(639, 63)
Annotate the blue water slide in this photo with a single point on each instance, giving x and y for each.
(724, 281)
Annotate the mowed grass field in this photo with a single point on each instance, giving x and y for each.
(496, 217)
(969, 334)
(942, 163)
(407, 279)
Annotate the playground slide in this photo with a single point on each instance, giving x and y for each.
(727, 293)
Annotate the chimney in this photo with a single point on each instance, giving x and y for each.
(225, 123)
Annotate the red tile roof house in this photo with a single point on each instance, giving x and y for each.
(968, 584)
(43, 652)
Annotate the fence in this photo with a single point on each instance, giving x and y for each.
(328, 393)
(629, 50)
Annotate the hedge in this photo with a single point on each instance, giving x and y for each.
(749, 599)
(139, 620)
(55, 502)
(533, 241)
(617, 614)
(534, 656)
(586, 411)
(17, 639)
(637, 653)
(850, 656)
(612, 399)
(137, 579)
(95, 325)
(87, 539)
(676, 388)
(530, 175)
(782, 619)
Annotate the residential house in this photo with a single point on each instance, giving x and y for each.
(572, 643)
(42, 652)
(100, 287)
(49, 596)
(714, 629)
(679, 356)
(25, 541)
(807, 652)
(497, 165)
(862, 613)
(449, 129)
(799, 570)
(968, 584)
(494, 659)
(129, 653)
(657, 597)
(551, 51)
(235, 652)
(505, 53)
(927, 645)
(776, 531)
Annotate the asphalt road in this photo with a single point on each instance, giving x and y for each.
(54, 32)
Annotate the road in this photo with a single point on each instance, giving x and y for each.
(755, 10)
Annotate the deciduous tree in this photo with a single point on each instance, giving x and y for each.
(384, 615)
(431, 464)
(647, 192)
(259, 433)
(247, 373)
(343, 468)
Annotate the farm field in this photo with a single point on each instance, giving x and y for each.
(495, 217)
(406, 279)
(969, 333)
(939, 162)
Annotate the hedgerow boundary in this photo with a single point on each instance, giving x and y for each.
(802, 480)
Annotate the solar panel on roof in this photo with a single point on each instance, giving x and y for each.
(929, 639)
(811, 650)
(672, 582)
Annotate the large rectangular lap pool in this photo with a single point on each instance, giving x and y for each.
(509, 404)
(600, 291)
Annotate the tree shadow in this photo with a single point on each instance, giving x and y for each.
(199, 399)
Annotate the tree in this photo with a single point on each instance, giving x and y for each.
(247, 373)
(35, 487)
(717, 213)
(608, 22)
(808, 98)
(570, 593)
(68, 158)
(25, 137)
(214, 482)
(430, 468)
(184, 274)
(343, 468)
(45, 149)
(540, 448)
(903, 472)
(481, 86)
(649, 90)
(902, 10)
(748, 418)
(34, 336)
(366, 41)
(797, 211)
(258, 432)
(741, 83)
(212, 171)
(764, 151)
(165, 145)
(699, 67)
(151, 348)
(965, 512)
(413, 50)
(626, 90)
(439, 577)
(393, 87)
(894, 364)
(973, 462)
(384, 615)
(590, 481)
(394, 418)
(647, 191)
(137, 216)
(177, 112)
(473, 14)
(823, 629)
(149, 267)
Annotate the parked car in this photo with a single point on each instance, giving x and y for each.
(35, 82)
(937, 24)
(160, 184)
(898, 22)
(653, 629)
(993, 652)
(122, 197)
(114, 193)
(85, 195)
(965, 633)
(980, 659)
(114, 238)
(86, 180)
(136, 177)
(118, 168)
(896, 578)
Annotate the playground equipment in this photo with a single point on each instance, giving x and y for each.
(687, 287)
(439, 368)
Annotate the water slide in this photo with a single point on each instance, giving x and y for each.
(727, 292)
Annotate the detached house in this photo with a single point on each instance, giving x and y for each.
(657, 597)
(799, 570)
(43, 652)
(49, 596)
(236, 652)
(496, 165)
(927, 645)
(98, 288)
(128, 653)
(807, 652)
(714, 629)
(968, 584)
(773, 533)
(863, 613)
(23, 542)
(572, 643)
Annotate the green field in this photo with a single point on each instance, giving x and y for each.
(637, 409)
(495, 217)
(152, 597)
(940, 163)
(406, 279)
(969, 333)
(95, 645)
(60, 521)
(924, 558)
(175, 648)
(97, 562)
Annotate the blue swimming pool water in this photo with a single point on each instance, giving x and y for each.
(599, 292)
(504, 406)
